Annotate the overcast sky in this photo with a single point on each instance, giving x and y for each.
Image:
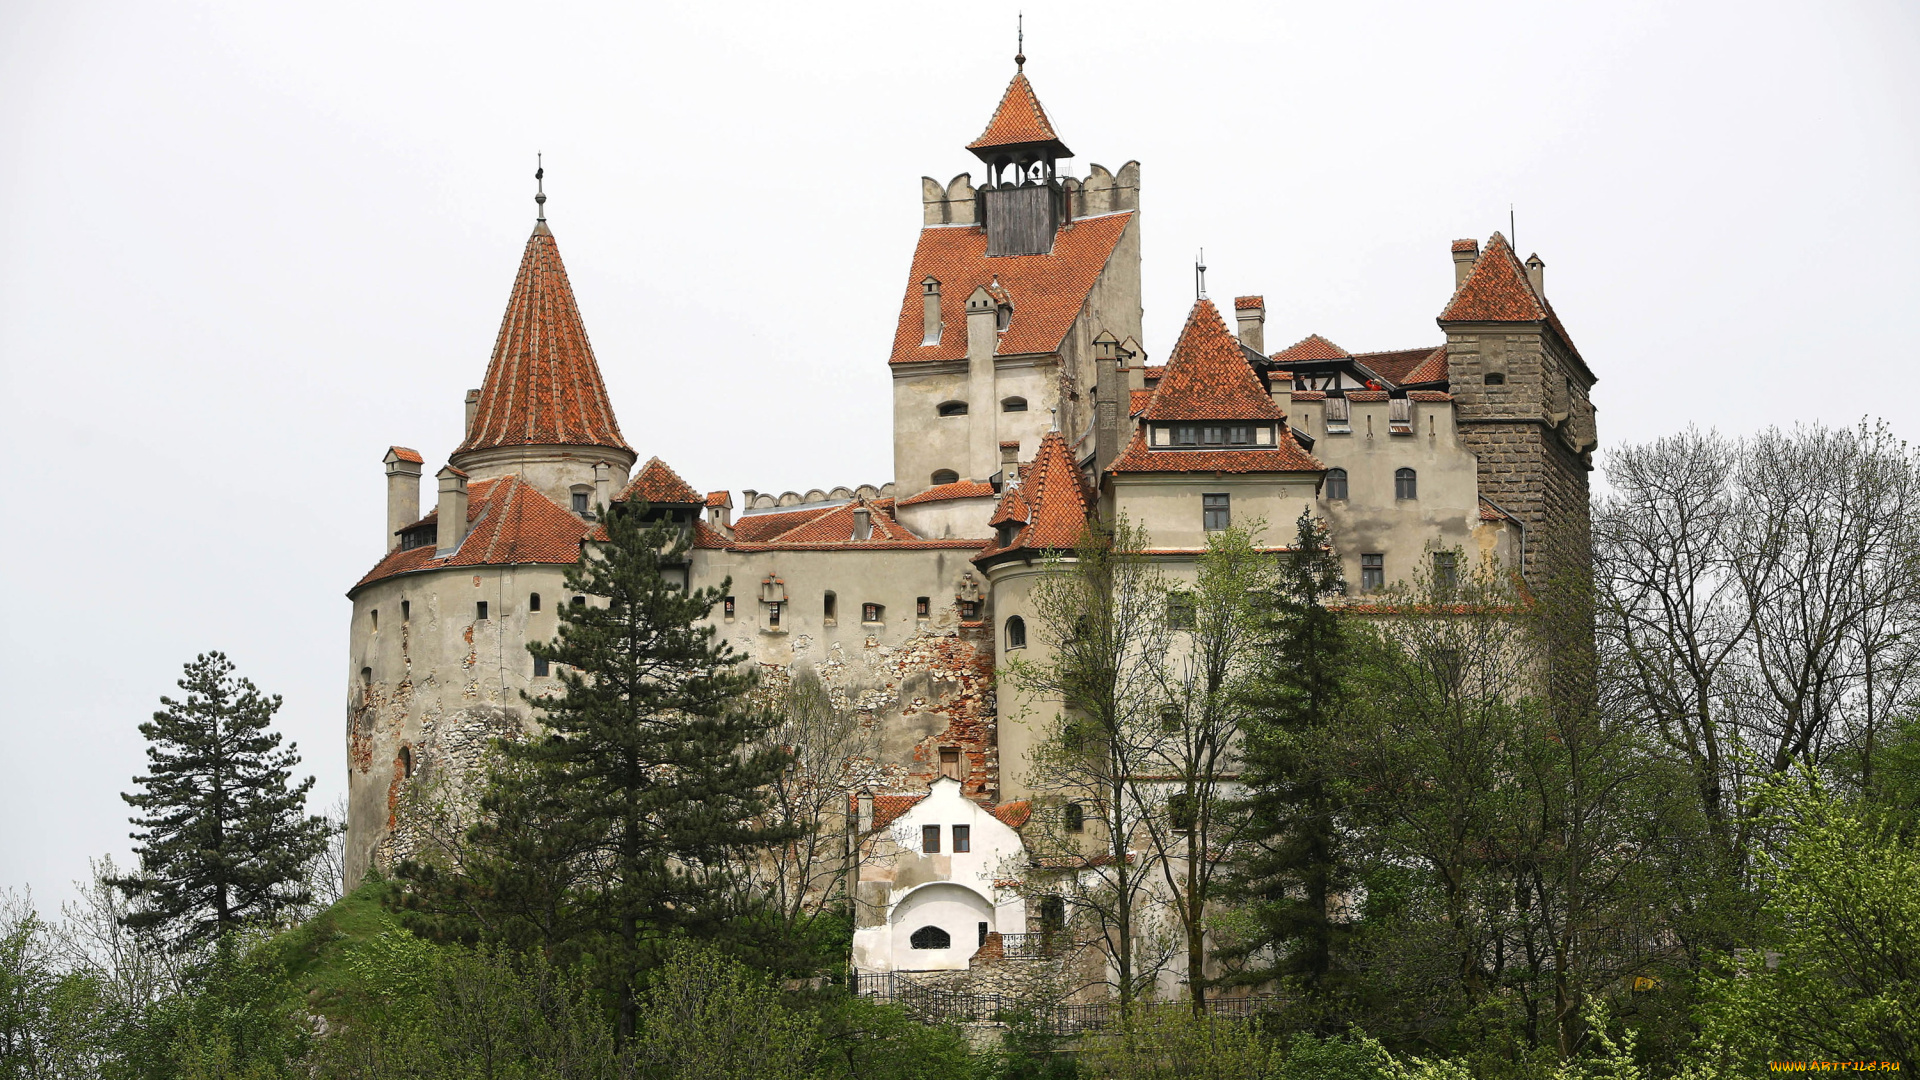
(248, 246)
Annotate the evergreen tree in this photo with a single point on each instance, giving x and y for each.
(631, 823)
(1290, 865)
(224, 838)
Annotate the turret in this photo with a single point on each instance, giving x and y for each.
(1022, 200)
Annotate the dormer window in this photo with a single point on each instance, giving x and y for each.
(1246, 433)
(580, 502)
(1003, 318)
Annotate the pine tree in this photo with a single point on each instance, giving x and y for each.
(1290, 866)
(224, 839)
(630, 823)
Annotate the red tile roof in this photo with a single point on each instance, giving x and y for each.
(657, 483)
(1287, 457)
(1018, 119)
(1137, 401)
(830, 528)
(543, 386)
(1367, 395)
(1013, 814)
(1312, 347)
(888, 807)
(1208, 377)
(511, 522)
(1241, 303)
(1497, 290)
(965, 489)
(1150, 372)
(1046, 505)
(1432, 369)
(719, 498)
(1466, 245)
(835, 526)
(1048, 290)
(751, 528)
(1429, 395)
(403, 453)
(1396, 365)
(1309, 395)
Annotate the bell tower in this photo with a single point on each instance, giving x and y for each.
(1022, 203)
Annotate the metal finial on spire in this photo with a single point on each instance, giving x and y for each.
(1020, 49)
(1200, 276)
(540, 180)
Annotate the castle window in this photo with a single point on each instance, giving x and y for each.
(1181, 613)
(1170, 719)
(1014, 404)
(950, 766)
(540, 668)
(922, 606)
(830, 608)
(406, 762)
(1239, 435)
(1053, 914)
(726, 606)
(375, 613)
(1405, 485)
(945, 476)
(579, 601)
(1215, 512)
(406, 610)
(983, 935)
(1336, 484)
(953, 408)
(931, 937)
(1074, 817)
(580, 502)
(963, 839)
(930, 839)
(1186, 434)
(366, 676)
(1338, 416)
(1183, 810)
(969, 609)
(480, 611)
(773, 614)
(872, 612)
(1373, 573)
(1446, 575)
(1016, 632)
(1496, 378)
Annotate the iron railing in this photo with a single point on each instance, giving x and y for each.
(932, 1004)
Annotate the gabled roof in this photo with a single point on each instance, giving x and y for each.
(964, 489)
(1497, 289)
(657, 483)
(511, 522)
(1312, 347)
(405, 453)
(1433, 369)
(1047, 291)
(1207, 377)
(543, 387)
(1046, 505)
(810, 527)
(1019, 121)
(1394, 365)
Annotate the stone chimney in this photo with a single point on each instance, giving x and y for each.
(1251, 313)
(930, 312)
(453, 509)
(602, 485)
(866, 810)
(1136, 360)
(1464, 254)
(1537, 275)
(403, 491)
(1109, 416)
(473, 406)
(983, 340)
(862, 522)
(1009, 458)
(721, 516)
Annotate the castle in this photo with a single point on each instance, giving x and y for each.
(1024, 404)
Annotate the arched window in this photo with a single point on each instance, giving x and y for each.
(945, 476)
(931, 937)
(1496, 378)
(1074, 817)
(953, 408)
(406, 762)
(1014, 404)
(1404, 484)
(376, 620)
(1336, 484)
(1016, 632)
(579, 601)
(533, 601)
(830, 607)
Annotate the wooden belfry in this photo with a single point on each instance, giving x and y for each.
(1022, 203)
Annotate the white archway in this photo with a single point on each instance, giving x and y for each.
(939, 907)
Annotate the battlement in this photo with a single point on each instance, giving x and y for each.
(1101, 192)
(762, 500)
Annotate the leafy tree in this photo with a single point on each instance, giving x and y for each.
(628, 822)
(708, 1017)
(224, 838)
(1291, 869)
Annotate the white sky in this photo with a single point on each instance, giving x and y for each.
(248, 246)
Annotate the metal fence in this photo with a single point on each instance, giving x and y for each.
(933, 1004)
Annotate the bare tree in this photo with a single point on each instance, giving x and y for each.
(1101, 616)
(833, 748)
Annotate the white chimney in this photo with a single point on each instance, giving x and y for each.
(602, 485)
(1464, 254)
(403, 491)
(453, 510)
(1537, 275)
(1251, 313)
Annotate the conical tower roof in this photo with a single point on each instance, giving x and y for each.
(1045, 507)
(1018, 122)
(543, 387)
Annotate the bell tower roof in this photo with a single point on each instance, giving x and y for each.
(1019, 124)
(543, 387)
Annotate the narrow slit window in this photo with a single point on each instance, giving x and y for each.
(726, 607)
(406, 762)
(376, 619)
(829, 607)
(533, 601)
(480, 611)
(773, 614)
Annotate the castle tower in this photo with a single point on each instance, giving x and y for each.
(437, 657)
(1010, 284)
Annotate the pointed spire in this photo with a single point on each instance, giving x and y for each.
(1208, 377)
(543, 386)
(1020, 46)
(1019, 123)
(540, 183)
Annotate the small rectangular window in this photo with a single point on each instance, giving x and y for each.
(773, 614)
(950, 761)
(969, 609)
(1373, 573)
(1446, 576)
(539, 666)
(963, 838)
(1181, 614)
(480, 611)
(1240, 435)
(923, 606)
(726, 607)
(829, 608)
(1186, 434)
(406, 610)
(1216, 512)
(579, 502)
(870, 612)
(1213, 435)
(1399, 417)
(930, 839)
(1337, 416)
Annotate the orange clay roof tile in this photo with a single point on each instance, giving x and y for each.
(1048, 291)
(656, 482)
(510, 522)
(1242, 303)
(1287, 457)
(1208, 377)
(1137, 401)
(1497, 290)
(964, 489)
(1432, 369)
(1018, 119)
(406, 453)
(543, 386)
(1396, 365)
(1312, 347)
(1047, 507)
(1013, 814)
